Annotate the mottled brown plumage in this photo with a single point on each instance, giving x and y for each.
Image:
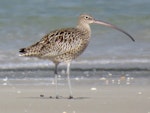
(61, 45)
(64, 45)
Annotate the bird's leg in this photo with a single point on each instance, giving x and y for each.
(56, 80)
(68, 78)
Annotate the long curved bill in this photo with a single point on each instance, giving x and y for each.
(114, 27)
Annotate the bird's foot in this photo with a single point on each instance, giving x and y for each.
(59, 97)
(41, 95)
(70, 97)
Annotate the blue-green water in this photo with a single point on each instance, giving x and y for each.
(23, 22)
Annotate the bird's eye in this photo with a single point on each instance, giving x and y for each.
(86, 17)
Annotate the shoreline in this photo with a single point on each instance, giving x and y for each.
(77, 68)
(94, 91)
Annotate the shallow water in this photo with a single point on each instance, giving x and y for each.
(22, 23)
(90, 77)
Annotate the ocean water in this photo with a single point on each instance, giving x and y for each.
(24, 22)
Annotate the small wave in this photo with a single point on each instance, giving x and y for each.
(79, 64)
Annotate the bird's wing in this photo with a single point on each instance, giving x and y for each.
(60, 41)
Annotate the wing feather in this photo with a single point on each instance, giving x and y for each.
(60, 41)
(55, 43)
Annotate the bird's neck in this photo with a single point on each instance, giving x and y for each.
(85, 28)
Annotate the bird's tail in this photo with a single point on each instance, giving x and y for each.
(22, 52)
(30, 51)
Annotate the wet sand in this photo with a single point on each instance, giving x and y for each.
(89, 97)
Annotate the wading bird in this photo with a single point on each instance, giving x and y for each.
(66, 44)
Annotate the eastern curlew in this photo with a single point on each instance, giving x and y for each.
(64, 45)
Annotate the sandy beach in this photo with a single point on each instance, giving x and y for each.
(89, 97)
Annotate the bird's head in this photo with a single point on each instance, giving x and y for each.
(85, 19)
